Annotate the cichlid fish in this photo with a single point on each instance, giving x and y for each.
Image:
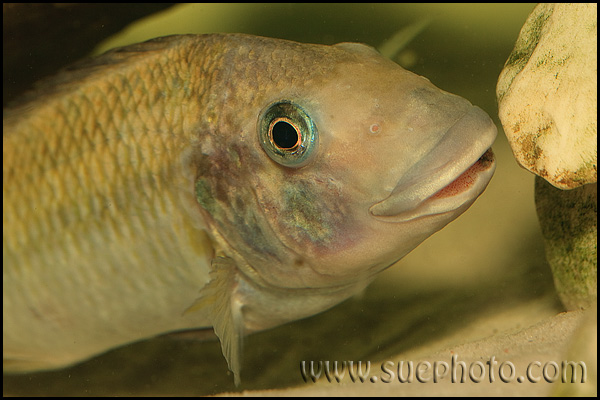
(230, 181)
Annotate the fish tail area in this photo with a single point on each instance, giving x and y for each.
(224, 311)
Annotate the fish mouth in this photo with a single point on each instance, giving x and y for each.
(433, 187)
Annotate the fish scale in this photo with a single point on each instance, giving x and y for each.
(94, 180)
(141, 194)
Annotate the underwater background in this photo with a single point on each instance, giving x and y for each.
(482, 274)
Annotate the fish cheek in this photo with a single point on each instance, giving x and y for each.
(304, 217)
(311, 218)
(224, 190)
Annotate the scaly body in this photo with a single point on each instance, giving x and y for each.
(154, 176)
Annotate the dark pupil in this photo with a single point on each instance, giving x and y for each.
(285, 135)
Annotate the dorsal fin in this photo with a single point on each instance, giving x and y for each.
(72, 76)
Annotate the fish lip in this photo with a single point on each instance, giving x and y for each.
(438, 203)
(443, 193)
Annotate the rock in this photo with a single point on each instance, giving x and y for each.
(547, 102)
(568, 219)
(547, 94)
(582, 351)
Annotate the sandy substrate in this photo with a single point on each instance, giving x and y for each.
(494, 366)
(479, 288)
(517, 320)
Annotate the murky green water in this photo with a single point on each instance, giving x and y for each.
(488, 260)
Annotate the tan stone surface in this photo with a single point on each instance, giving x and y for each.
(548, 96)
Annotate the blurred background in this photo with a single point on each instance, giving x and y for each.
(482, 274)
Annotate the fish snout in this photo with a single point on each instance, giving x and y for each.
(451, 175)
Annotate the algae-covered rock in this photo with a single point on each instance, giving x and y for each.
(568, 219)
(547, 102)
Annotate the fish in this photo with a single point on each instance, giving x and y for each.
(224, 180)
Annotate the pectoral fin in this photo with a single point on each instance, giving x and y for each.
(224, 310)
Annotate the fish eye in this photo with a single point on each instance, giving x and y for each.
(287, 134)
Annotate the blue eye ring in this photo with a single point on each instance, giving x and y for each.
(287, 134)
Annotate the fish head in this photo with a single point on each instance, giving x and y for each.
(331, 174)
